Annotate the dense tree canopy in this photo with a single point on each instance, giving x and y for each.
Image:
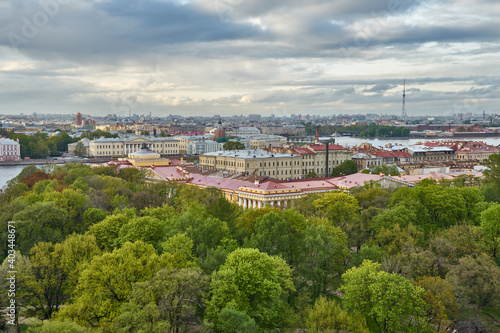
(105, 250)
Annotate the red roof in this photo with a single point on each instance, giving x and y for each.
(323, 147)
(401, 154)
(384, 153)
(303, 151)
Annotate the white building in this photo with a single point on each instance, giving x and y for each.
(202, 147)
(10, 150)
(109, 147)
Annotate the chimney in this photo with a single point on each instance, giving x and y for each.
(154, 132)
(326, 159)
(256, 181)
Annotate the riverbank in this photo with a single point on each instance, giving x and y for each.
(54, 161)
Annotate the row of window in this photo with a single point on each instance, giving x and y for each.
(154, 145)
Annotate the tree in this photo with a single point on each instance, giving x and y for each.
(327, 315)
(341, 208)
(80, 149)
(147, 229)
(26, 171)
(347, 167)
(37, 176)
(492, 174)
(388, 301)
(393, 239)
(477, 278)
(107, 281)
(168, 301)
(254, 283)
(280, 234)
(205, 231)
(53, 271)
(233, 145)
(323, 258)
(312, 174)
(107, 231)
(234, 321)
(43, 280)
(385, 169)
(40, 222)
(440, 297)
(56, 326)
(490, 223)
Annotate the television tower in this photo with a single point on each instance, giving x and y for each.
(404, 98)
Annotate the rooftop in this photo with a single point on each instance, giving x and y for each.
(249, 154)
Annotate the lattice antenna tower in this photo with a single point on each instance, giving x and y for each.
(404, 100)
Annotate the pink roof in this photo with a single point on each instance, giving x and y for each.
(354, 180)
(268, 186)
(169, 172)
(221, 183)
(437, 175)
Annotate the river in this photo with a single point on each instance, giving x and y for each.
(351, 142)
(7, 172)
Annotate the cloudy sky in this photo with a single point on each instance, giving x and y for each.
(281, 57)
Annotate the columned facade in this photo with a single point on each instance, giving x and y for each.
(259, 200)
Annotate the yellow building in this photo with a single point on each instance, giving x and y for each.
(147, 158)
(254, 162)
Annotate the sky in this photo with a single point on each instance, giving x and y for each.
(281, 57)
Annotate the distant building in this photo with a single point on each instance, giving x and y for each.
(115, 147)
(254, 162)
(10, 150)
(220, 133)
(78, 120)
(201, 147)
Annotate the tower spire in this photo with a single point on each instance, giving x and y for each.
(404, 98)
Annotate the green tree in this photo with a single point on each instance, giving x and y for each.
(312, 174)
(490, 224)
(233, 145)
(492, 174)
(327, 315)
(234, 321)
(280, 234)
(323, 259)
(147, 229)
(52, 273)
(254, 283)
(40, 222)
(167, 302)
(43, 280)
(56, 326)
(440, 297)
(389, 302)
(107, 231)
(205, 231)
(340, 208)
(107, 281)
(347, 167)
(393, 239)
(478, 279)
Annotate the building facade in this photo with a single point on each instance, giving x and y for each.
(202, 147)
(10, 150)
(254, 162)
(119, 147)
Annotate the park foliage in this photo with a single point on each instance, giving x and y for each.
(105, 250)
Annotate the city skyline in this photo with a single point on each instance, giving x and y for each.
(208, 57)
